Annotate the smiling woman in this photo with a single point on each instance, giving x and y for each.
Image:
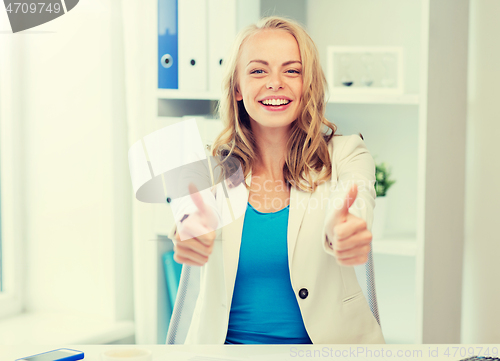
(277, 277)
(273, 84)
(274, 67)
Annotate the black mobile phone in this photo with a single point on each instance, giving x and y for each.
(62, 354)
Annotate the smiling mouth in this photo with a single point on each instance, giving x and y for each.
(275, 102)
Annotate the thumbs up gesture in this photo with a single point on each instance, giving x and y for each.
(351, 238)
(196, 234)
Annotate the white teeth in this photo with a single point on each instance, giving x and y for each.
(275, 101)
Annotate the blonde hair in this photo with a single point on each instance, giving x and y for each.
(307, 149)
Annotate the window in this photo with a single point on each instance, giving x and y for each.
(11, 189)
(1, 247)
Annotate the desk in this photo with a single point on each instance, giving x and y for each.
(272, 352)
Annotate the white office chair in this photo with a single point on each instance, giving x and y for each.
(189, 288)
(187, 294)
(366, 279)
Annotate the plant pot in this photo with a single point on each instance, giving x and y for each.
(379, 217)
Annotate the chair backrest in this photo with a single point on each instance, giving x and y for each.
(187, 294)
(366, 279)
(189, 288)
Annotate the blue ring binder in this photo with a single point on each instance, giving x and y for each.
(168, 44)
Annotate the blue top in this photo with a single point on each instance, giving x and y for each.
(264, 308)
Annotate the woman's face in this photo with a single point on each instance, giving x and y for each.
(270, 78)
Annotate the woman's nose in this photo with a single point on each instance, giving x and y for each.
(275, 82)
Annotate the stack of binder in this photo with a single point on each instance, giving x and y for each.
(194, 36)
(168, 45)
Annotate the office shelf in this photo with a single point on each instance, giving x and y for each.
(409, 99)
(408, 131)
(182, 94)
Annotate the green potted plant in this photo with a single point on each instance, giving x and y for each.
(382, 179)
(383, 182)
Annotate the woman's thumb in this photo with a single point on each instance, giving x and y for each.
(196, 197)
(349, 199)
(209, 218)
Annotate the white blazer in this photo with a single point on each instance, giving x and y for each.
(335, 309)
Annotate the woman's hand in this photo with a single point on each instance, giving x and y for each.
(194, 239)
(351, 238)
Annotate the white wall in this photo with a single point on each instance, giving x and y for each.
(78, 194)
(481, 287)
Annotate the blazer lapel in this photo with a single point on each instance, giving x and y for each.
(299, 202)
(231, 236)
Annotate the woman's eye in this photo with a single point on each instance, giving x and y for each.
(257, 71)
(293, 71)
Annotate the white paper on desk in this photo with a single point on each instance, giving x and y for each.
(187, 356)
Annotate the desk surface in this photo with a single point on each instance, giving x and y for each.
(273, 352)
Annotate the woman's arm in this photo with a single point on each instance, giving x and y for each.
(354, 165)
